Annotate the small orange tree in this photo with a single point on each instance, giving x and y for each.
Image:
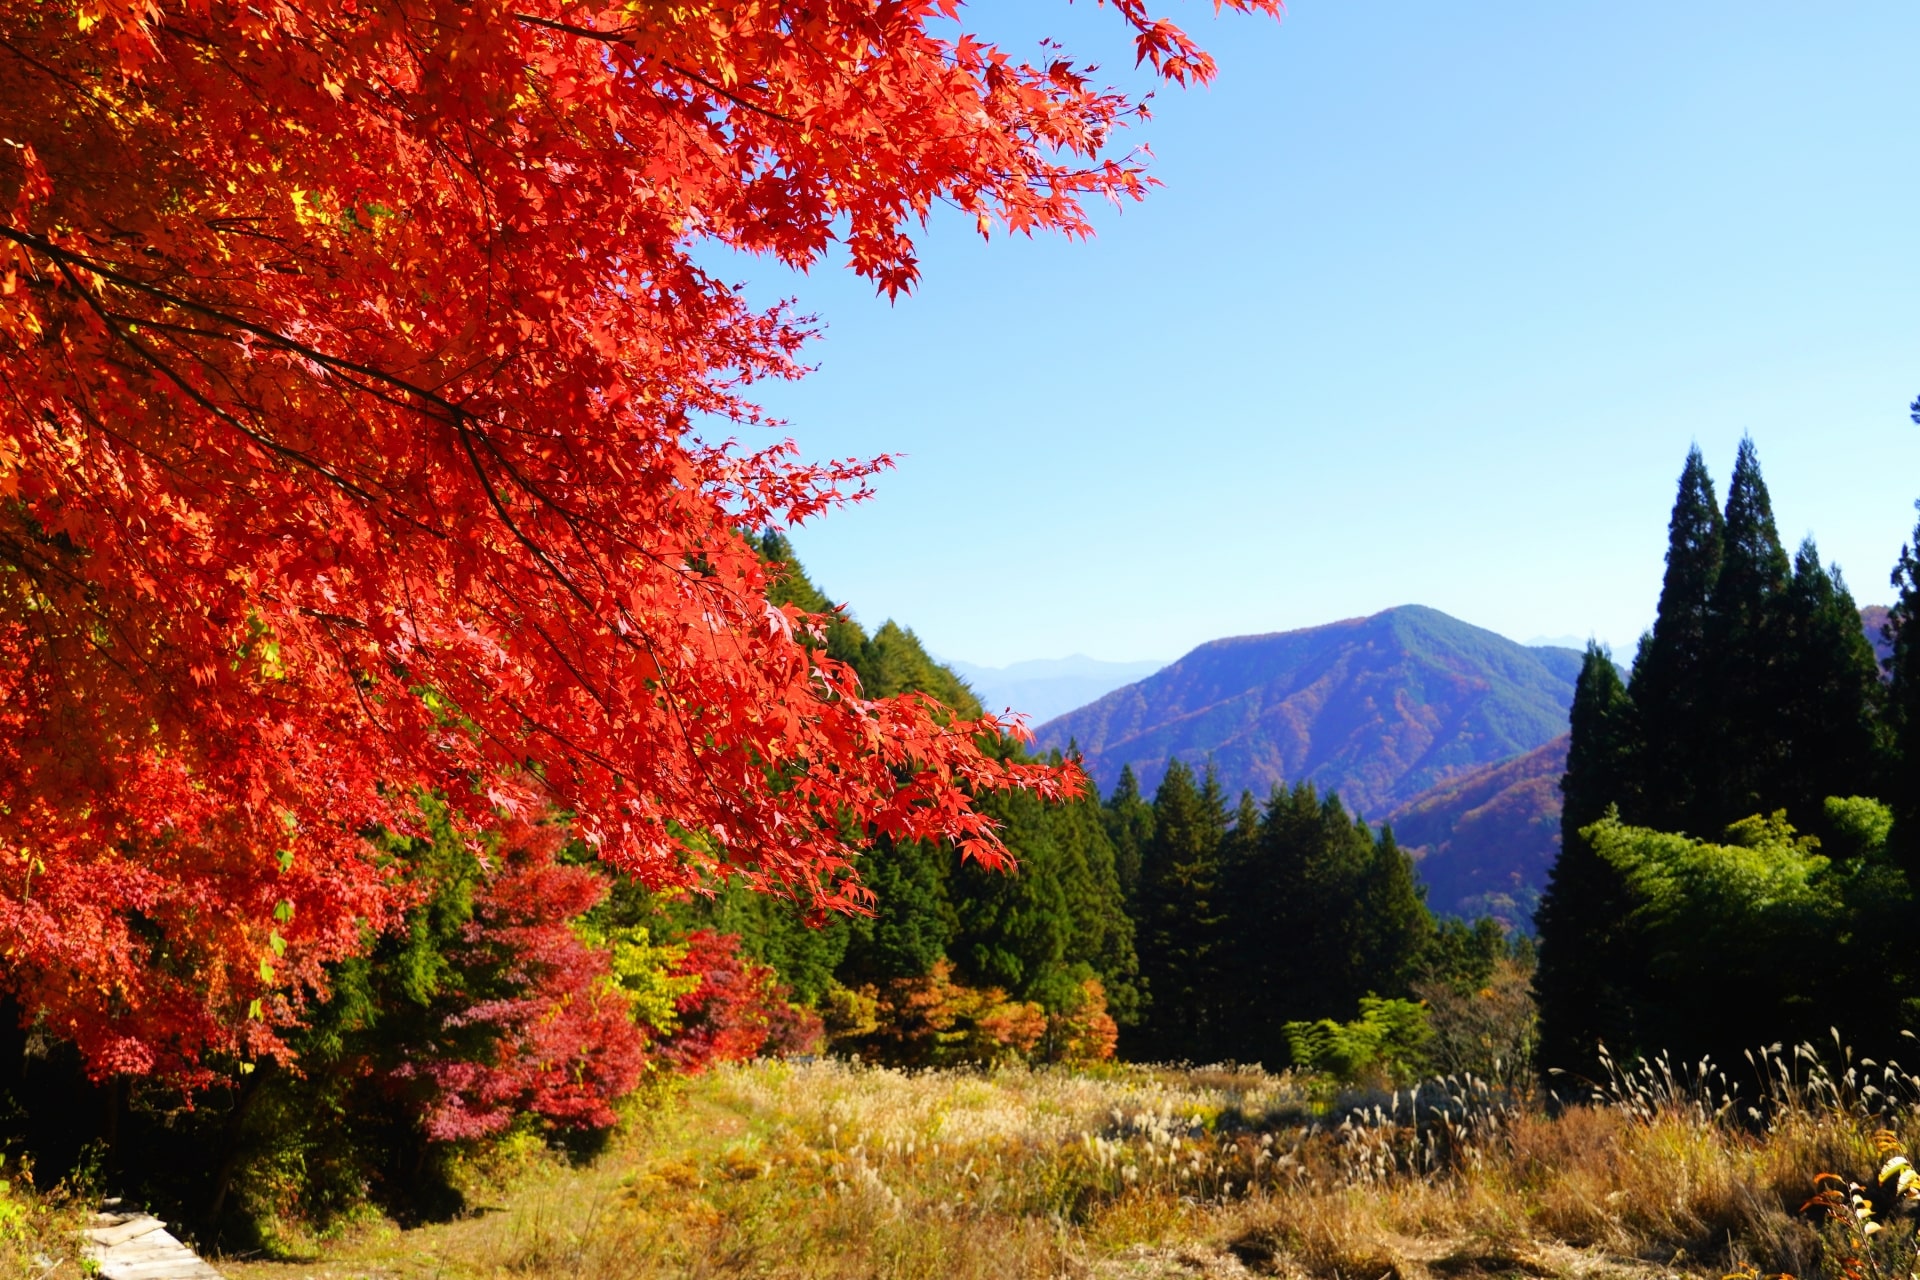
(353, 354)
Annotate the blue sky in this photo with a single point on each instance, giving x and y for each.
(1429, 309)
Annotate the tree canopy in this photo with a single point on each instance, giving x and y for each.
(360, 379)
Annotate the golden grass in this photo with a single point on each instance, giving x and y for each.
(829, 1170)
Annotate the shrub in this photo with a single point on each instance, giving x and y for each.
(1387, 1042)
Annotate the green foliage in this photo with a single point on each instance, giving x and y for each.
(1464, 955)
(1760, 934)
(1860, 825)
(1832, 701)
(1387, 1043)
(914, 922)
(1039, 934)
(1903, 710)
(13, 1212)
(644, 971)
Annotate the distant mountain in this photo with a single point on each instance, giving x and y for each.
(1485, 841)
(1044, 688)
(1378, 709)
(1873, 618)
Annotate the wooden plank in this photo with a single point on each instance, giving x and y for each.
(109, 1236)
(183, 1263)
(141, 1251)
(138, 1247)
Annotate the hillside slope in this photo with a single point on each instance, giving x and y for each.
(1485, 841)
(1378, 709)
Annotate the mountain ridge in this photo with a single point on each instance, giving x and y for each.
(1379, 708)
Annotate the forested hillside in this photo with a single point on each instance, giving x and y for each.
(1375, 709)
(1485, 842)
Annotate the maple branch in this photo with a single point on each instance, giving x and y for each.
(623, 37)
(65, 257)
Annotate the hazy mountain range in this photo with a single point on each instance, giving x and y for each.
(1044, 688)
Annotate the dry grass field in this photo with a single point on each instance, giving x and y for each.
(827, 1169)
(831, 1170)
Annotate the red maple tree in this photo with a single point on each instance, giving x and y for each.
(357, 370)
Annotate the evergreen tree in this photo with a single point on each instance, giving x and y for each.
(1747, 680)
(1603, 744)
(1903, 705)
(1318, 914)
(1396, 929)
(845, 637)
(1582, 917)
(1129, 821)
(1058, 918)
(1103, 930)
(1015, 925)
(1179, 933)
(1831, 699)
(1674, 663)
(913, 924)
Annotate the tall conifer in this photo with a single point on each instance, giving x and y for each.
(1129, 820)
(1903, 694)
(1582, 916)
(1179, 926)
(1743, 757)
(1395, 926)
(1831, 697)
(1672, 667)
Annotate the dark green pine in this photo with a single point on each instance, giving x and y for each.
(1586, 962)
(1902, 785)
(913, 924)
(1396, 929)
(1178, 928)
(1129, 822)
(1831, 697)
(1672, 664)
(1742, 757)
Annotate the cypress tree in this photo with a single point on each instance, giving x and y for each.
(1179, 930)
(1129, 822)
(1335, 972)
(1747, 679)
(1319, 913)
(1015, 926)
(1268, 922)
(1583, 977)
(1396, 928)
(1101, 944)
(913, 923)
(1674, 662)
(1829, 713)
(1903, 710)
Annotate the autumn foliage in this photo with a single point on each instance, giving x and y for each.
(358, 440)
(535, 1026)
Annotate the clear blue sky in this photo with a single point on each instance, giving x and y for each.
(1431, 305)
